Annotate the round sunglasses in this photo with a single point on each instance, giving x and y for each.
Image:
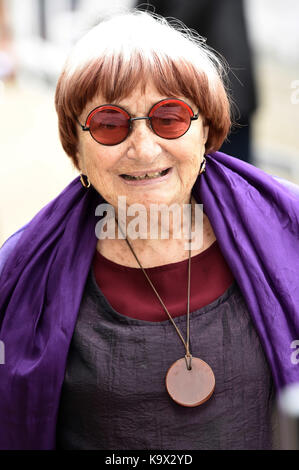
(110, 124)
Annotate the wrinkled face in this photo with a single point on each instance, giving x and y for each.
(111, 169)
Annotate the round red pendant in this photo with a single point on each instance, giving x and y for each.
(190, 387)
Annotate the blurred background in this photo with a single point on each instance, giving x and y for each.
(36, 36)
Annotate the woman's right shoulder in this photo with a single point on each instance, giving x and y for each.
(8, 247)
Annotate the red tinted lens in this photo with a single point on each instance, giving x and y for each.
(171, 118)
(109, 125)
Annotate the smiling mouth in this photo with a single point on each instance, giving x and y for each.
(146, 176)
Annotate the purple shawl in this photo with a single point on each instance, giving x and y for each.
(256, 222)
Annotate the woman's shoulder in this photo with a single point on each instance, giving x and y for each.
(8, 247)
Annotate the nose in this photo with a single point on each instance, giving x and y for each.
(143, 143)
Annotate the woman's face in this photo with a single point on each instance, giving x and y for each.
(143, 152)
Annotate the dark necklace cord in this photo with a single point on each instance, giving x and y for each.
(188, 356)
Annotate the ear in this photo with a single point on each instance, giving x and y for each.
(80, 160)
(205, 133)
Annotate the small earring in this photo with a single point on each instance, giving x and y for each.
(84, 181)
(202, 166)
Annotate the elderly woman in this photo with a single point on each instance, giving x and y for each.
(142, 342)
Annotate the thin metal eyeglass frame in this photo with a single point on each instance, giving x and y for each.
(192, 118)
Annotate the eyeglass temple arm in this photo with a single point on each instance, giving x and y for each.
(196, 116)
(84, 128)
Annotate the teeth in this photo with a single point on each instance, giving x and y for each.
(146, 175)
(154, 175)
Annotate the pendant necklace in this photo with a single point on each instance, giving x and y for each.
(189, 381)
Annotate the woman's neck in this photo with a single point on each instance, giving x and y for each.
(169, 248)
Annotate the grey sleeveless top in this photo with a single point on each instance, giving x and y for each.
(114, 396)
